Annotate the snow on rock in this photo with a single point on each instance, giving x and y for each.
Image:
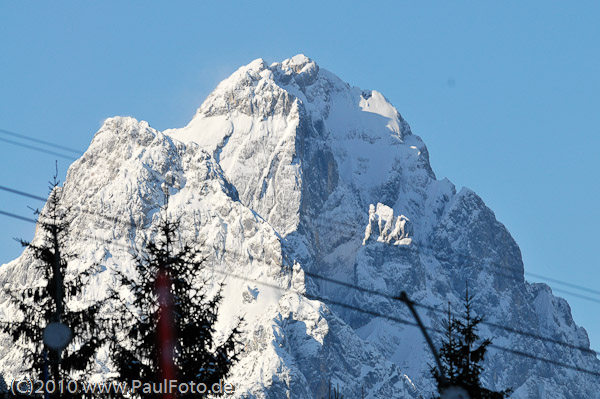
(390, 230)
(285, 169)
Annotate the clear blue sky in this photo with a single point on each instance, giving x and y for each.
(505, 94)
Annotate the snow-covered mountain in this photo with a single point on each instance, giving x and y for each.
(286, 171)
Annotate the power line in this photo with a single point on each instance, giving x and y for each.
(38, 149)
(545, 360)
(579, 287)
(13, 215)
(409, 323)
(516, 331)
(381, 315)
(498, 266)
(402, 321)
(37, 197)
(366, 290)
(22, 193)
(48, 143)
(462, 255)
(115, 220)
(395, 319)
(501, 273)
(567, 292)
(434, 309)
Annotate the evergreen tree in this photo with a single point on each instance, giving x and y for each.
(54, 299)
(167, 331)
(3, 388)
(461, 355)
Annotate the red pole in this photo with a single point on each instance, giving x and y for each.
(166, 336)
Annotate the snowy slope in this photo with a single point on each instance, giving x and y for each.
(285, 169)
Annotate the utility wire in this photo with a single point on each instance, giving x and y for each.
(13, 215)
(22, 193)
(373, 313)
(115, 220)
(563, 283)
(502, 268)
(567, 292)
(7, 132)
(38, 149)
(535, 336)
(37, 197)
(445, 312)
(389, 317)
(362, 289)
(397, 319)
(22, 136)
(366, 290)
(545, 360)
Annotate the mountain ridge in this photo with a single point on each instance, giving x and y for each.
(277, 173)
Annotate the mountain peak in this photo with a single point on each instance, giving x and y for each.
(287, 169)
(298, 65)
(253, 87)
(297, 62)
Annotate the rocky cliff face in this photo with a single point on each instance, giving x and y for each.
(285, 169)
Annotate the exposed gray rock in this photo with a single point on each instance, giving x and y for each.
(285, 169)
